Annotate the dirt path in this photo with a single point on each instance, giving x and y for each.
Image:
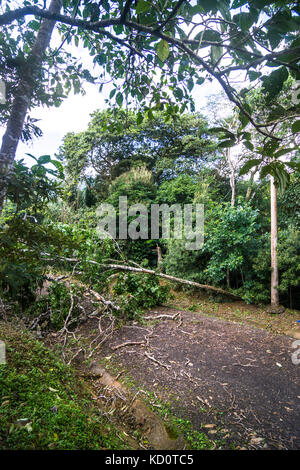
(236, 382)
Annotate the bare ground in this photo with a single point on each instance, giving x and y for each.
(233, 381)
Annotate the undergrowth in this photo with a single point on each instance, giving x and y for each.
(42, 403)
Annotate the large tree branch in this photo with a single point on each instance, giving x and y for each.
(10, 16)
(217, 290)
(121, 267)
(126, 10)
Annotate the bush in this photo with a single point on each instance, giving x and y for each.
(136, 292)
(56, 305)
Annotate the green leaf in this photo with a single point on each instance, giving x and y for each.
(283, 152)
(163, 50)
(119, 98)
(281, 177)
(139, 118)
(270, 147)
(208, 35)
(143, 7)
(248, 145)
(265, 171)
(44, 159)
(277, 170)
(38, 170)
(59, 166)
(112, 93)
(209, 5)
(293, 165)
(245, 20)
(200, 80)
(190, 84)
(118, 29)
(216, 53)
(253, 75)
(239, 3)
(35, 25)
(272, 85)
(32, 156)
(248, 165)
(227, 143)
(261, 3)
(296, 127)
(225, 131)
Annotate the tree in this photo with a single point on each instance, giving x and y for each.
(189, 43)
(22, 97)
(279, 169)
(114, 143)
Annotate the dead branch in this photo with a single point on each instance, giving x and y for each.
(107, 303)
(156, 361)
(157, 317)
(129, 343)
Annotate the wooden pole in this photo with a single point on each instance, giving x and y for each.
(274, 241)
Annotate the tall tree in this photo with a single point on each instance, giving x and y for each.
(274, 242)
(115, 141)
(280, 158)
(22, 98)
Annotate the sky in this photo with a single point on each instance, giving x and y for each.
(72, 116)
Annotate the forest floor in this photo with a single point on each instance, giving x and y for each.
(233, 381)
(195, 374)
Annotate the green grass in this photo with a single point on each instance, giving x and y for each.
(34, 381)
(176, 426)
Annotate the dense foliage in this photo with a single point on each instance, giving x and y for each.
(45, 223)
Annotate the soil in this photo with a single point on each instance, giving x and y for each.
(235, 382)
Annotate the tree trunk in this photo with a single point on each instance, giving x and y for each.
(232, 185)
(232, 176)
(121, 267)
(22, 100)
(216, 290)
(249, 189)
(159, 257)
(274, 239)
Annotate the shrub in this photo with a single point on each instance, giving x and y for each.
(136, 292)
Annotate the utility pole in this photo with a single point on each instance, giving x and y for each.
(274, 241)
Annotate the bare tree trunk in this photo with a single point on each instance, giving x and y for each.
(228, 278)
(232, 176)
(159, 257)
(22, 100)
(120, 267)
(232, 185)
(274, 240)
(249, 189)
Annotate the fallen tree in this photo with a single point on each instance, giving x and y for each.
(121, 267)
(217, 290)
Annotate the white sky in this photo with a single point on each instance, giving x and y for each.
(72, 116)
